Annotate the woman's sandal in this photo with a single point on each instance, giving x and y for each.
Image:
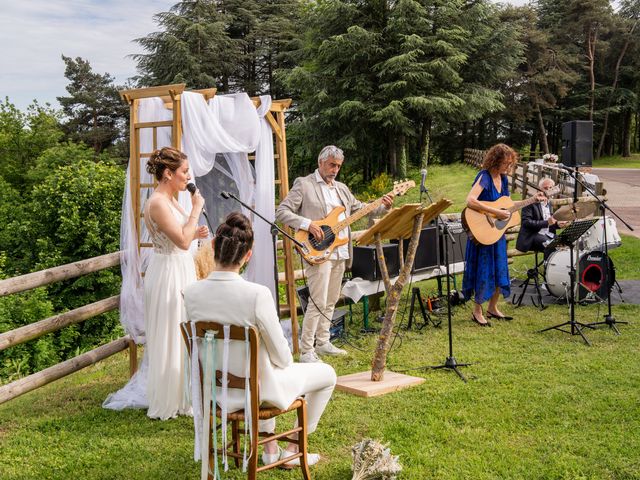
(485, 324)
(498, 317)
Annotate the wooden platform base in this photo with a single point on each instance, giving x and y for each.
(360, 383)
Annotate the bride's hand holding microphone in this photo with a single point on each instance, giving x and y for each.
(197, 207)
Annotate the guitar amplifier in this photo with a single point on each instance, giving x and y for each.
(456, 250)
(427, 251)
(365, 261)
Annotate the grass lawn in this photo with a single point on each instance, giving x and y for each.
(537, 405)
(617, 161)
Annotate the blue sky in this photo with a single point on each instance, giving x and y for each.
(35, 33)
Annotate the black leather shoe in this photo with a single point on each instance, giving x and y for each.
(499, 317)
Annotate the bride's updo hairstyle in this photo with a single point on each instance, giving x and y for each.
(234, 238)
(163, 158)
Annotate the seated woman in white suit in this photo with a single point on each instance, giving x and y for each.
(225, 297)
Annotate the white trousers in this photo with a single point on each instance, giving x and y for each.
(324, 281)
(319, 381)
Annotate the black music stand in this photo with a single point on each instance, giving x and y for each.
(568, 237)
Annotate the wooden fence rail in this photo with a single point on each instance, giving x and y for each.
(56, 274)
(52, 324)
(48, 375)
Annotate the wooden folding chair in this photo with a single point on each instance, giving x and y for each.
(257, 412)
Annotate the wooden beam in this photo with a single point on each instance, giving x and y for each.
(52, 324)
(274, 125)
(276, 105)
(207, 93)
(150, 92)
(163, 123)
(55, 274)
(48, 375)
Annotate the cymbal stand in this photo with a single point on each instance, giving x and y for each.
(609, 319)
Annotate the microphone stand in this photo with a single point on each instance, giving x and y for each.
(450, 362)
(609, 319)
(274, 236)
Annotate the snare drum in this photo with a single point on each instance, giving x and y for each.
(595, 274)
(593, 239)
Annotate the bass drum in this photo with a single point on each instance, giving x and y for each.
(595, 275)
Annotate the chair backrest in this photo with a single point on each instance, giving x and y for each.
(237, 334)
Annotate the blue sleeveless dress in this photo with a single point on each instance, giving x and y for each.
(486, 266)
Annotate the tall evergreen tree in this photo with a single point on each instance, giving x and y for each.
(192, 47)
(94, 112)
(544, 77)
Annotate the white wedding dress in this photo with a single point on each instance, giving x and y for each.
(170, 270)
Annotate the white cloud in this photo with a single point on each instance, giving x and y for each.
(35, 33)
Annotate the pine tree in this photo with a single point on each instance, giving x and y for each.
(193, 47)
(94, 112)
(545, 75)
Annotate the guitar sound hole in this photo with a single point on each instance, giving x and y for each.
(329, 237)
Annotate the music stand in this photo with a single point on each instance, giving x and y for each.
(568, 237)
(403, 222)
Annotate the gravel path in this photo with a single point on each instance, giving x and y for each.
(623, 194)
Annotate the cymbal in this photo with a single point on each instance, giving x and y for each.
(575, 211)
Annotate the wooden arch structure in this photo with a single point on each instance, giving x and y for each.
(171, 95)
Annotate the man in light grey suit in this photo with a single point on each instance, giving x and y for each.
(312, 198)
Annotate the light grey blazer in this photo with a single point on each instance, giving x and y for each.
(305, 200)
(225, 297)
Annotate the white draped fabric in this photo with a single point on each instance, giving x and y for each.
(217, 137)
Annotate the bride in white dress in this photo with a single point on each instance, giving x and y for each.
(170, 269)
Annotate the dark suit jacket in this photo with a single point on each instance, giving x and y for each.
(530, 225)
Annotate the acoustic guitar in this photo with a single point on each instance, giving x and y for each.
(485, 229)
(318, 251)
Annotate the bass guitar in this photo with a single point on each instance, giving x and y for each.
(318, 251)
(485, 229)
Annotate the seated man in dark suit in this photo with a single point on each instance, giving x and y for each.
(537, 227)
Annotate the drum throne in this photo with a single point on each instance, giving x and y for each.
(534, 277)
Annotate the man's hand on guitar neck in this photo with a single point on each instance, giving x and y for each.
(316, 231)
(387, 201)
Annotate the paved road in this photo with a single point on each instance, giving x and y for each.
(623, 194)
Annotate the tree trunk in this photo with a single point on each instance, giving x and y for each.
(616, 75)
(425, 139)
(592, 37)
(402, 153)
(393, 299)
(393, 161)
(542, 131)
(626, 134)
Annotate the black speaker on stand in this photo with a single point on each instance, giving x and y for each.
(577, 143)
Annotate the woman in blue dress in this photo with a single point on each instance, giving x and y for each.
(486, 272)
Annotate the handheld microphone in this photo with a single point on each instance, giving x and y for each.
(423, 172)
(192, 190)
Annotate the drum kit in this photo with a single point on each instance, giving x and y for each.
(595, 272)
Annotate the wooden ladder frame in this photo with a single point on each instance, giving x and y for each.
(171, 95)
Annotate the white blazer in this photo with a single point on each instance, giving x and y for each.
(225, 297)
